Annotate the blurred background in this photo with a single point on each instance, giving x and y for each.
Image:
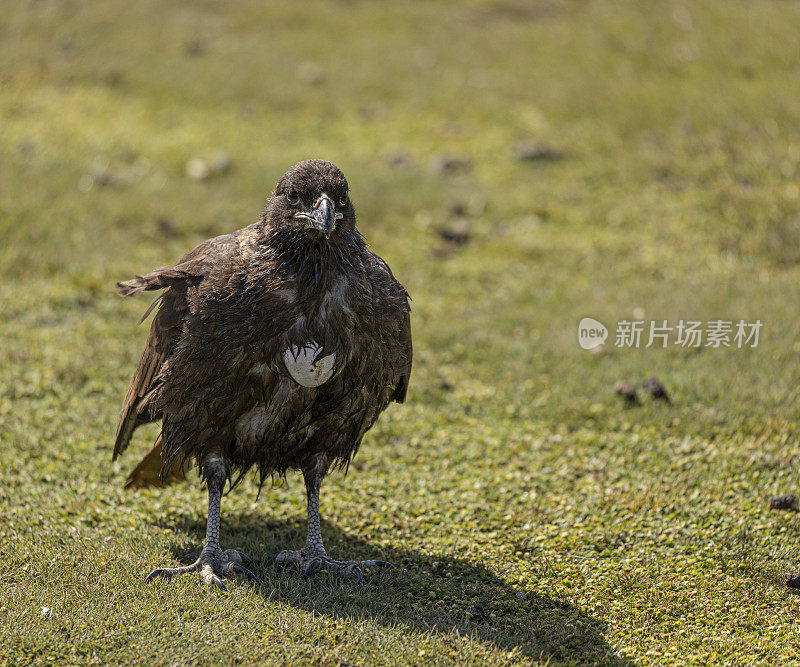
(520, 165)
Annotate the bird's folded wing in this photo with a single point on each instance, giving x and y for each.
(195, 264)
(165, 330)
(405, 340)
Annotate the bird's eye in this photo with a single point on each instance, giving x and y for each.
(343, 200)
(293, 197)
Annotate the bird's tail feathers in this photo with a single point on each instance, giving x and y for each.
(148, 473)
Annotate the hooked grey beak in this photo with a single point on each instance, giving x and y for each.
(323, 216)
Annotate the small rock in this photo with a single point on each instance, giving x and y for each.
(787, 501)
(126, 155)
(371, 110)
(453, 237)
(793, 581)
(311, 74)
(450, 163)
(398, 159)
(167, 226)
(458, 209)
(113, 77)
(457, 233)
(656, 389)
(521, 597)
(530, 151)
(197, 169)
(194, 48)
(67, 47)
(627, 391)
(103, 177)
(26, 148)
(221, 163)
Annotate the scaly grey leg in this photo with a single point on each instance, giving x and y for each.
(313, 557)
(212, 563)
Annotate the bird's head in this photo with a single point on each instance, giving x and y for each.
(313, 195)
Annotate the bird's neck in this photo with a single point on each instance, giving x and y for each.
(314, 261)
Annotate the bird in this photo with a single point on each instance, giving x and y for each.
(273, 348)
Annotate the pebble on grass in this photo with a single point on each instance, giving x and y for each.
(197, 170)
(194, 48)
(221, 163)
(397, 158)
(311, 74)
(786, 501)
(654, 387)
(531, 151)
(450, 163)
(627, 391)
(457, 233)
(453, 237)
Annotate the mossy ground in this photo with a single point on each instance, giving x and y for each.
(532, 515)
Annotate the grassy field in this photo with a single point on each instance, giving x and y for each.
(533, 516)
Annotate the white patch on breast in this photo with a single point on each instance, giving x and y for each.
(302, 367)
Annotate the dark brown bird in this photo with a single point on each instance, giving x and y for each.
(274, 347)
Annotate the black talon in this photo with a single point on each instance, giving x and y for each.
(313, 567)
(157, 573)
(231, 568)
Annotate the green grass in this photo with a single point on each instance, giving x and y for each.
(533, 516)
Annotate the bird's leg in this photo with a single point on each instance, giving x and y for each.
(212, 563)
(313, 557)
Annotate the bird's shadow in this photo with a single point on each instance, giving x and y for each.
(426, 593)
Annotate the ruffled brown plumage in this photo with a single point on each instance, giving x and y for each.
(213, 368)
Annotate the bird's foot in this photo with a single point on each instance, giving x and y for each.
(309, 563)
(212, 564)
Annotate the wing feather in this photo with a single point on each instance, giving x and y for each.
(400, 391)
(173, 309)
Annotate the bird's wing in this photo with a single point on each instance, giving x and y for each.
(194, 267)
(400, 391)
(396, 298)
